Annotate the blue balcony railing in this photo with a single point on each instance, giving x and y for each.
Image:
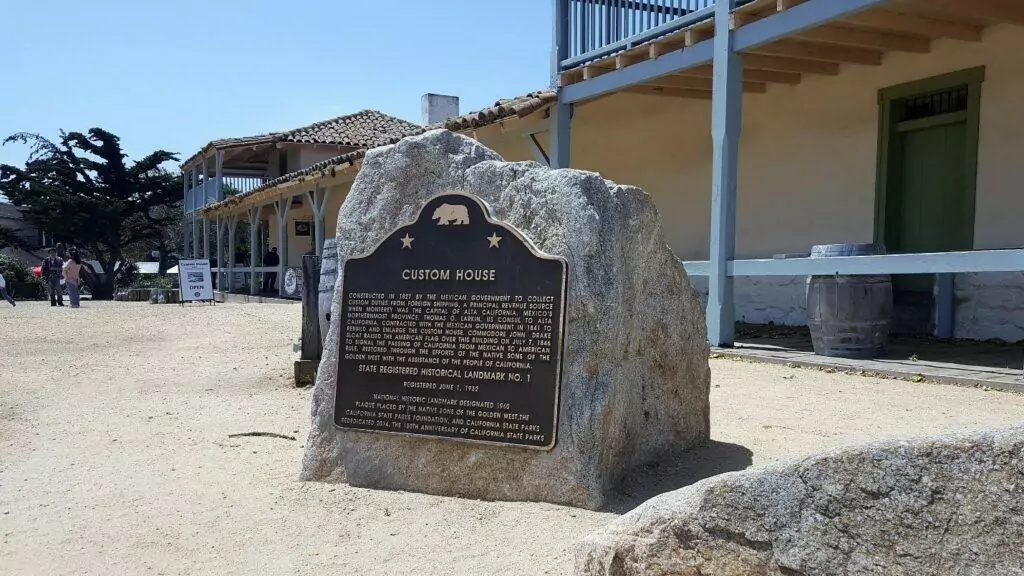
(203, 195)
(600, 28)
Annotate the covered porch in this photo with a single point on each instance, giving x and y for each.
(829, 85)
(993, 365)
(291, 213)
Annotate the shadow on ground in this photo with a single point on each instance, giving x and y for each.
(648, 481)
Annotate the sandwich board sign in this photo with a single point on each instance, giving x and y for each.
(195, 280)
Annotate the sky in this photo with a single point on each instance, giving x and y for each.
(175, 75)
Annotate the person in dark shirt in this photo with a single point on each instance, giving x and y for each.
(270, 259)
(52, 270)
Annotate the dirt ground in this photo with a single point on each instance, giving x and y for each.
(115, 456)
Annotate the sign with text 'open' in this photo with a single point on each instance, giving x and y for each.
(195, 280)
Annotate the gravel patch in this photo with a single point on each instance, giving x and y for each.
(115, 455)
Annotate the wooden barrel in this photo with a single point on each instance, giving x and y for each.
(849, 316)
(328, 276)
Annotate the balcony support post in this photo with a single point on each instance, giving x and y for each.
(219, 172)
(726, 118)
(194, 253)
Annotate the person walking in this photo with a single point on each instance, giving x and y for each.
(270, 259)
(72, 273)
(51, 272)
(3, 291)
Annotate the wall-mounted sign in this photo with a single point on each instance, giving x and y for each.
(303, 228)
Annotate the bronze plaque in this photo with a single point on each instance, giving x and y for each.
(452, 327)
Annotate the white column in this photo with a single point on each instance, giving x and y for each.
(218, 183)
(220, 254)
(185, 216)
(194, 252)
(254, 254)
(282, 206)
(206, 224)
(318, 200)
(232, 238)
(726, 117)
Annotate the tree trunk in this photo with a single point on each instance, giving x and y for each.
(103, 288)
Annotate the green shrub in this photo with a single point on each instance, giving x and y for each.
(168, 282)
(20, 281)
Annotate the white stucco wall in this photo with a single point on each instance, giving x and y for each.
(309, 155)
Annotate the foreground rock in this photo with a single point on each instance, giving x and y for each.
(947, 505)
(635, 370)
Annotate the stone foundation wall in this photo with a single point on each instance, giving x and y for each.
(988, 306)
(777, 300)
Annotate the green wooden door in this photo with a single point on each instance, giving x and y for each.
(927, 207)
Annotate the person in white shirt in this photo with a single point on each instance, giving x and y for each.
(3, 291)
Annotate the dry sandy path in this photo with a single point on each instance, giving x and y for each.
(114, 455)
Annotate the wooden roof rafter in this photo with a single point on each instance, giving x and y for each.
(861, 38)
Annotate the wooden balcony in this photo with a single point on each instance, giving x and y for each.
(607, 36)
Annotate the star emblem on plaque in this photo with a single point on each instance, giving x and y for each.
(453, 328)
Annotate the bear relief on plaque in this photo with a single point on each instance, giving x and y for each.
(453, 328)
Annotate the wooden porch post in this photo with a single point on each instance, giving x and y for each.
(232, 238)
(282, 206)
(206, 223)
(726, 116)
(559, 131)
(254, 255)
(218, 184)
(184, 219)
(317, 200)
(194, 251)
(220, 253)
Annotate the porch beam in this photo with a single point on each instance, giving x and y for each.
(975, 261)
(726, 120)
(749, 75)
(823, 52)
(867, 39)
(793, 65)
(701, 83)
(798, 19)
(254, 225)
(913, 24)
(696, 55)
(669, 92)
